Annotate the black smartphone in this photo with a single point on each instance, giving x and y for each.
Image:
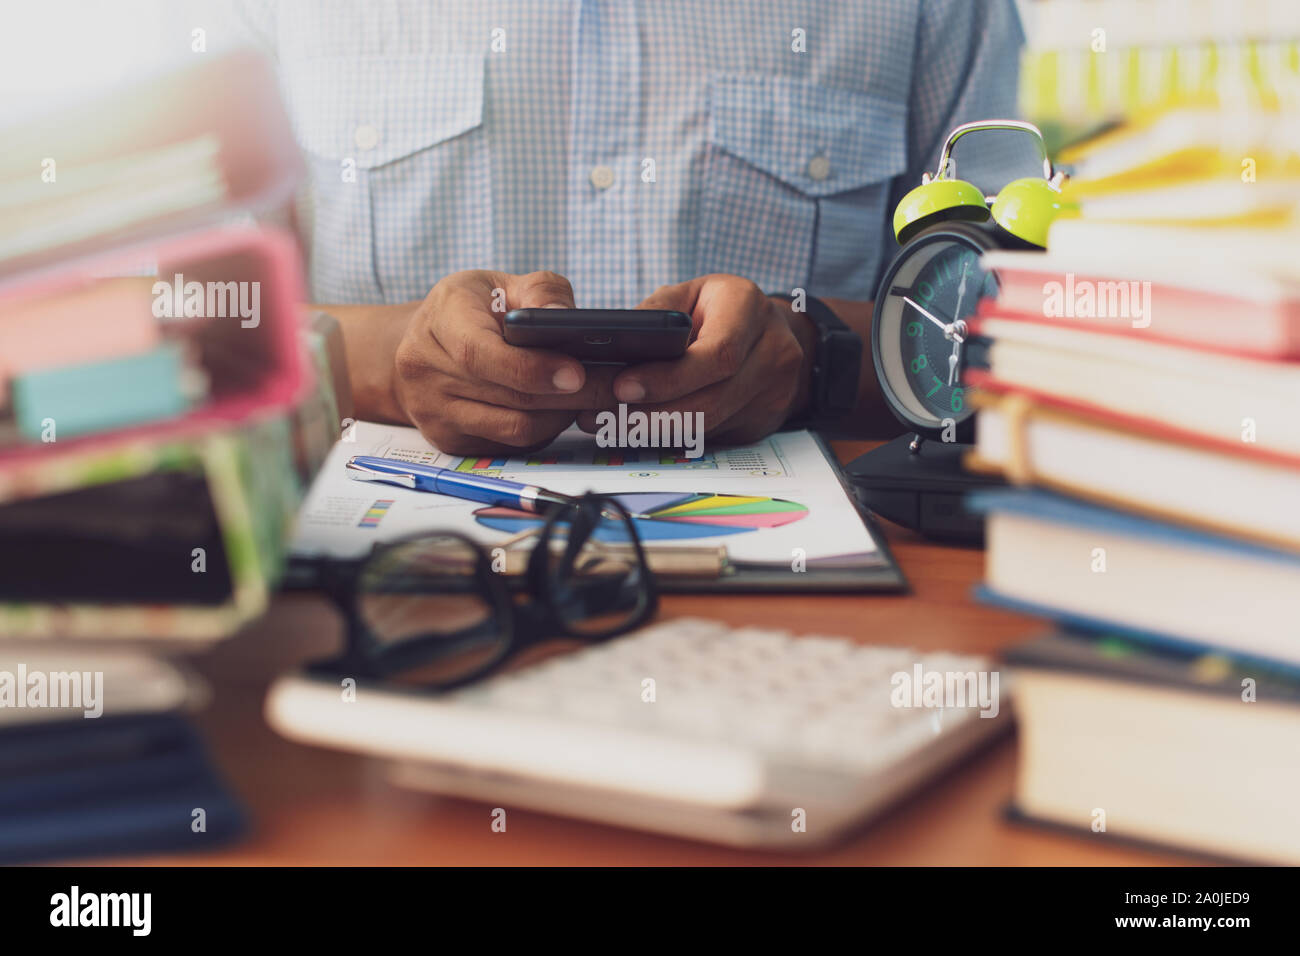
(602, 336)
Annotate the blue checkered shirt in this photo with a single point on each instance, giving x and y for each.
(624, 144)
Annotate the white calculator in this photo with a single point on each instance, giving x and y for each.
(739, 736)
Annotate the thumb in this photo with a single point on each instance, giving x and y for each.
(540, 290)
(680, 297)
(677, 298)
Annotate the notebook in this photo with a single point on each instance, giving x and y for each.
(1106, 570)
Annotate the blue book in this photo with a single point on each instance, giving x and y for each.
(71, 400)
(116, 786)
(1106, 570)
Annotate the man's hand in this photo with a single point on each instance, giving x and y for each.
(443, 365)
(747, 368)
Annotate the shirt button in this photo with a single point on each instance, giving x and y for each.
(602, 177)
(819, 168)
(366, 136)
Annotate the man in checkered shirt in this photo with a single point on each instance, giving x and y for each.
(467, 157)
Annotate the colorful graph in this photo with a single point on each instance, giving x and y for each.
(480, 464)
(663, 516)
(640, 463)
(375, 513)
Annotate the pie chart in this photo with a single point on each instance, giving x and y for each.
(666, 516)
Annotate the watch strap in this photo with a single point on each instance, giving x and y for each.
(837, 365)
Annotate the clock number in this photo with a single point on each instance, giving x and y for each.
(938, 384)
(919, 363)
(913, 329)
(957, 402)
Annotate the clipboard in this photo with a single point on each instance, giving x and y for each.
(714, 566)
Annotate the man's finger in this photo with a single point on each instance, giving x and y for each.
(507, 426)
(470, 334)
(680, 298)
(596, 392)
(539, 290)
(725, 340)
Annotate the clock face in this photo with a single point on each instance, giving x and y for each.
(918, 337)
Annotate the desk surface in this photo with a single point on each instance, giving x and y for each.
(313, 806)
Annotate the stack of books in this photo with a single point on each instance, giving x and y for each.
(1142, 387)
(157, 422)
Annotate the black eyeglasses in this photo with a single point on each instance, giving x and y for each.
(437, 610)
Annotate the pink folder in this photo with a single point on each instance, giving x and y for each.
(253, 371)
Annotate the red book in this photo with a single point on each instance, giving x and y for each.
(1243, 404)
(1227, 313)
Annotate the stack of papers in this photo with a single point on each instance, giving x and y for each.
(776, 506)
(109, 196)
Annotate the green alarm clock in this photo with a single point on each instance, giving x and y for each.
(921, 344)
(919, 335)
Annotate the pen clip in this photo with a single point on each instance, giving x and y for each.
(363, 473)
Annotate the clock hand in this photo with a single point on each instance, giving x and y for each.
(961, 289)
(951, 330)
(947, 329)
(956, 331)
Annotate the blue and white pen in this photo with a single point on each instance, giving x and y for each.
(458, 484)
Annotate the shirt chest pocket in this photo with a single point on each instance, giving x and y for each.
(796, 181)
(400, 172)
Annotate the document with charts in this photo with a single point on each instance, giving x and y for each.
(777, 504)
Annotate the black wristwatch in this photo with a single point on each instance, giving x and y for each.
(837, 365)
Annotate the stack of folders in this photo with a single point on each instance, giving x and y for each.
(157, 421)
(151, 361)
(1143, 387)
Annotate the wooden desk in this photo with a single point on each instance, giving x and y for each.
(313, 806)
